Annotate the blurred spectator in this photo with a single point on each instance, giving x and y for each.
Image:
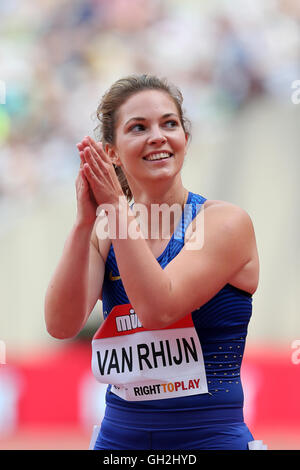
(236, 73)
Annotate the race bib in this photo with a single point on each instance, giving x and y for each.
(146, 364)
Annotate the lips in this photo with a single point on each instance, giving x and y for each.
(158, 156)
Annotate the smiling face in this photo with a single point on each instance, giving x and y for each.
(150, 142)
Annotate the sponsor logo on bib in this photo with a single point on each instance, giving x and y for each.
(146, 364)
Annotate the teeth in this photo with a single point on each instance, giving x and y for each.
(158, 156)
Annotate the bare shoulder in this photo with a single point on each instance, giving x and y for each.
(227, 212)
(237, 223)
(222, 213)
(218, 204)
(223, 226)
(221, 217)
(231, 224)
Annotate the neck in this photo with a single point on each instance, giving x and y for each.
(158, 210)
(159, 192)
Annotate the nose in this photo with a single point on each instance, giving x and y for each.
(156, 136)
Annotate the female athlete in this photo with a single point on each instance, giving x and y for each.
(175, 272)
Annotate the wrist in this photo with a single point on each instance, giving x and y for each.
(117, 215)
(82, 224)
(113, 208)
(122, 221)
(121, 203)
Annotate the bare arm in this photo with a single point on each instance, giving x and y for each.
(77, 281)
(76, 284)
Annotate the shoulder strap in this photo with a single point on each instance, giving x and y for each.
(191, 209)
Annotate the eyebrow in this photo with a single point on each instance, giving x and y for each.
(138, 118)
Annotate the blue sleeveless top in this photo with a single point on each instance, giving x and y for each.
(221, 325)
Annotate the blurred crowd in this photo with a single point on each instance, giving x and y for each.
(57, 57)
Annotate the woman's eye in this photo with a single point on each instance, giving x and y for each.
(171, 123)
(137, 127)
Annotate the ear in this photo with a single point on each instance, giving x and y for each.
(111, 152)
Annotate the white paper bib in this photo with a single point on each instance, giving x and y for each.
(146, 364)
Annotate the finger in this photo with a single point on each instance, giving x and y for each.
(81, 184)
(98, 147)
(82, 159)
(102, 167)
(93, 161)
(91, 178)
(87, 176)
(81, 146)
(83, 180)
(84, 143)
(105, 167)
(103, 161)
(89, 172)
(98, 156)
(95, 156)
(106, 157)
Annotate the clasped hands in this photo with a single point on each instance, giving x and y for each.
(99, 172)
